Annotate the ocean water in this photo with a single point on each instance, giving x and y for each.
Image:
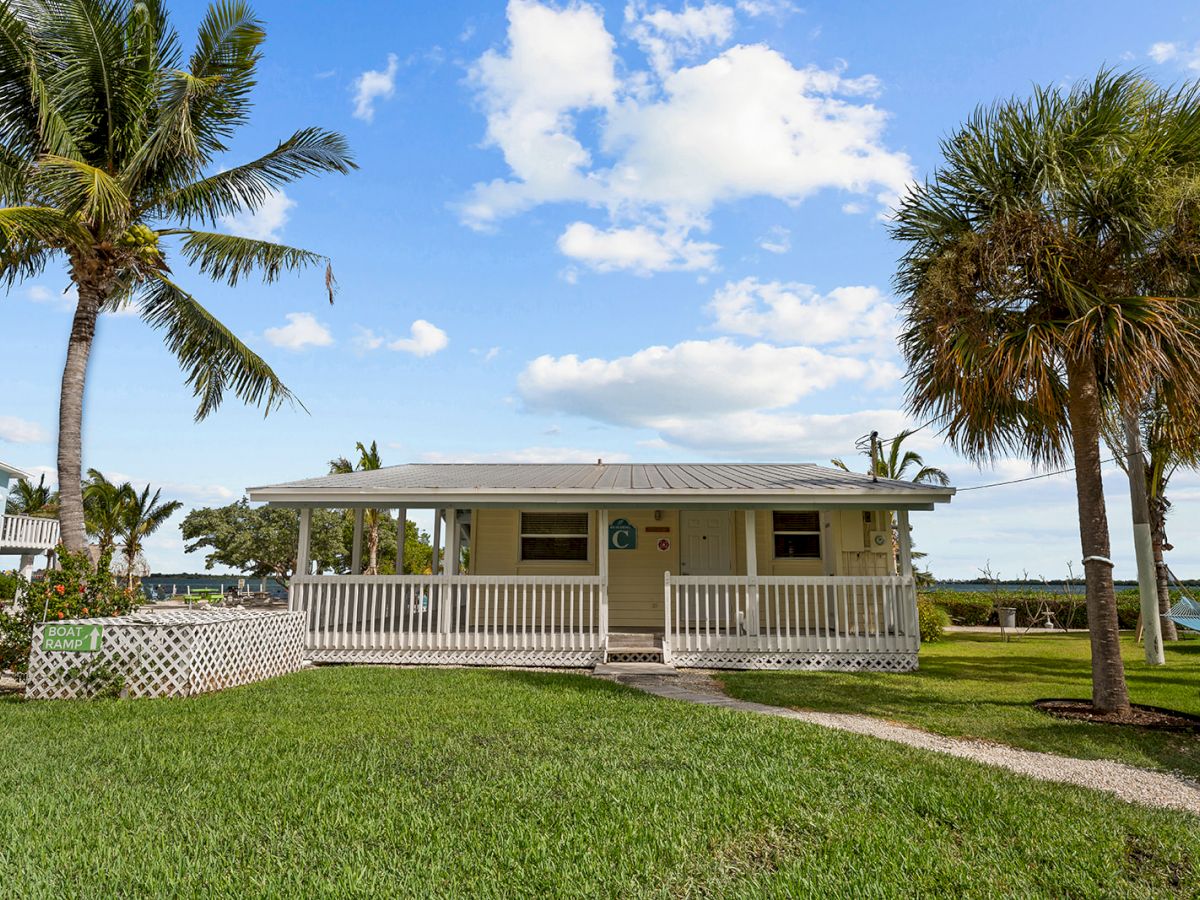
(161, 587)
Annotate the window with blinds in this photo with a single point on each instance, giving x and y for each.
(554, 536)
(797, 535)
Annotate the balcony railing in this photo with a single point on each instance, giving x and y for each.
(28, 533)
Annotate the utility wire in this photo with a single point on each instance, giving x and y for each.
(980, 487)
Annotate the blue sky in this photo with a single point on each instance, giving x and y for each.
(629, 231)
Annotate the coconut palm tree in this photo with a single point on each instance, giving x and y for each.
(111, 155)
(27, 499)
(142, 515)
(104, 509)
(368, 460)
(1023, 317)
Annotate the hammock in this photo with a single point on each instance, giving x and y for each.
(1187, 611)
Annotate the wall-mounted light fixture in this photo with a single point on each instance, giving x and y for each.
(658, 515)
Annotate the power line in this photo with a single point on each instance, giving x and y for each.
(980, 487)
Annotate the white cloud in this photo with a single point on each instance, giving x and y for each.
(1173, 51)
(857, 318)
(637, 249)
(64, 300)
(303, 330)
(374, 85)
(15, 430)
(777, 8)
(692, 378)
(425, 339)
(264, 223)
(777, 240)
(674, 142)
(666, 36)
(365, 339)
(557, 61)
(781, 436)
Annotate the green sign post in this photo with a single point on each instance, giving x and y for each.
(72, 638)
(622, 535)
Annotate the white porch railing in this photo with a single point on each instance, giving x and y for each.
(32, 533)
(463, 619)
(841, 622)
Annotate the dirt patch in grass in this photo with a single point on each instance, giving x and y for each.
(1151, 717)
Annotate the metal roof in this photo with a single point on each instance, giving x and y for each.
(594, 484)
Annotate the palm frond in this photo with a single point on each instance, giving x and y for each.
(213, 359)
(246, 187)
(229, 258)
(77, 188)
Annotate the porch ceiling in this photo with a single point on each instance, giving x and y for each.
(701, 485)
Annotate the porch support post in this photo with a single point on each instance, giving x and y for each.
(751, 543)
(356, 544)
(602, 571)
(452, 541)
(905, 543)
(302, 549)
(401, 535)
(437, 541)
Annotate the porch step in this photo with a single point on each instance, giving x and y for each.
(614, 669)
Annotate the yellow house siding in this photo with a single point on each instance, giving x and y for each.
(635, 577)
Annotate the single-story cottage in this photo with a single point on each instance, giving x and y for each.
(724, 566)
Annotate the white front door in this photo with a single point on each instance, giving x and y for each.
(706, 542)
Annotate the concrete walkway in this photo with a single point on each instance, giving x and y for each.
(1129, 783)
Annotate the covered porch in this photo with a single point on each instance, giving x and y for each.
(717, 579)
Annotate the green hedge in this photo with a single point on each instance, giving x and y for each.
(979, 608)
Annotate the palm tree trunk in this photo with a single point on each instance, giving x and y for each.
(1109, 692)
(1158, 538)
(373, 544)
(70, 416)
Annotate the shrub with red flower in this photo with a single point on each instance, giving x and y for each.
(74, 590)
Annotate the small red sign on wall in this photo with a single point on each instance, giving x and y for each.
(664, 544)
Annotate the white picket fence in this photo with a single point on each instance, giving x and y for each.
(33, 533)
(454, 619)
(825, 622)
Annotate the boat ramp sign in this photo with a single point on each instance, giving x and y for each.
(72, 638)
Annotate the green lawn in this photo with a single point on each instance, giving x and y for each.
(377, 782)
(977, 685)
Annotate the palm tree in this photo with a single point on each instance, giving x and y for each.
(109, 149)
(1168, 443)
(894, 465)
(1020, 283)
(27, 499)
(104, 509)
(141, 516)
(368, 460)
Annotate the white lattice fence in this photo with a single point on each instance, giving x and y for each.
(173, 653)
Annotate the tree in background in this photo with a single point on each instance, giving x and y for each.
(418, 547)
(894, 466)
(1168, 443)
(142, 515)
(368, 461)
(262, 541)
(104, 505)
(113, 148)
(1023, 318)
(27, 499)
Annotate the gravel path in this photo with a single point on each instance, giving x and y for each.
(1130, 783)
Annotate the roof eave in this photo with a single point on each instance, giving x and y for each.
(913, 499)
